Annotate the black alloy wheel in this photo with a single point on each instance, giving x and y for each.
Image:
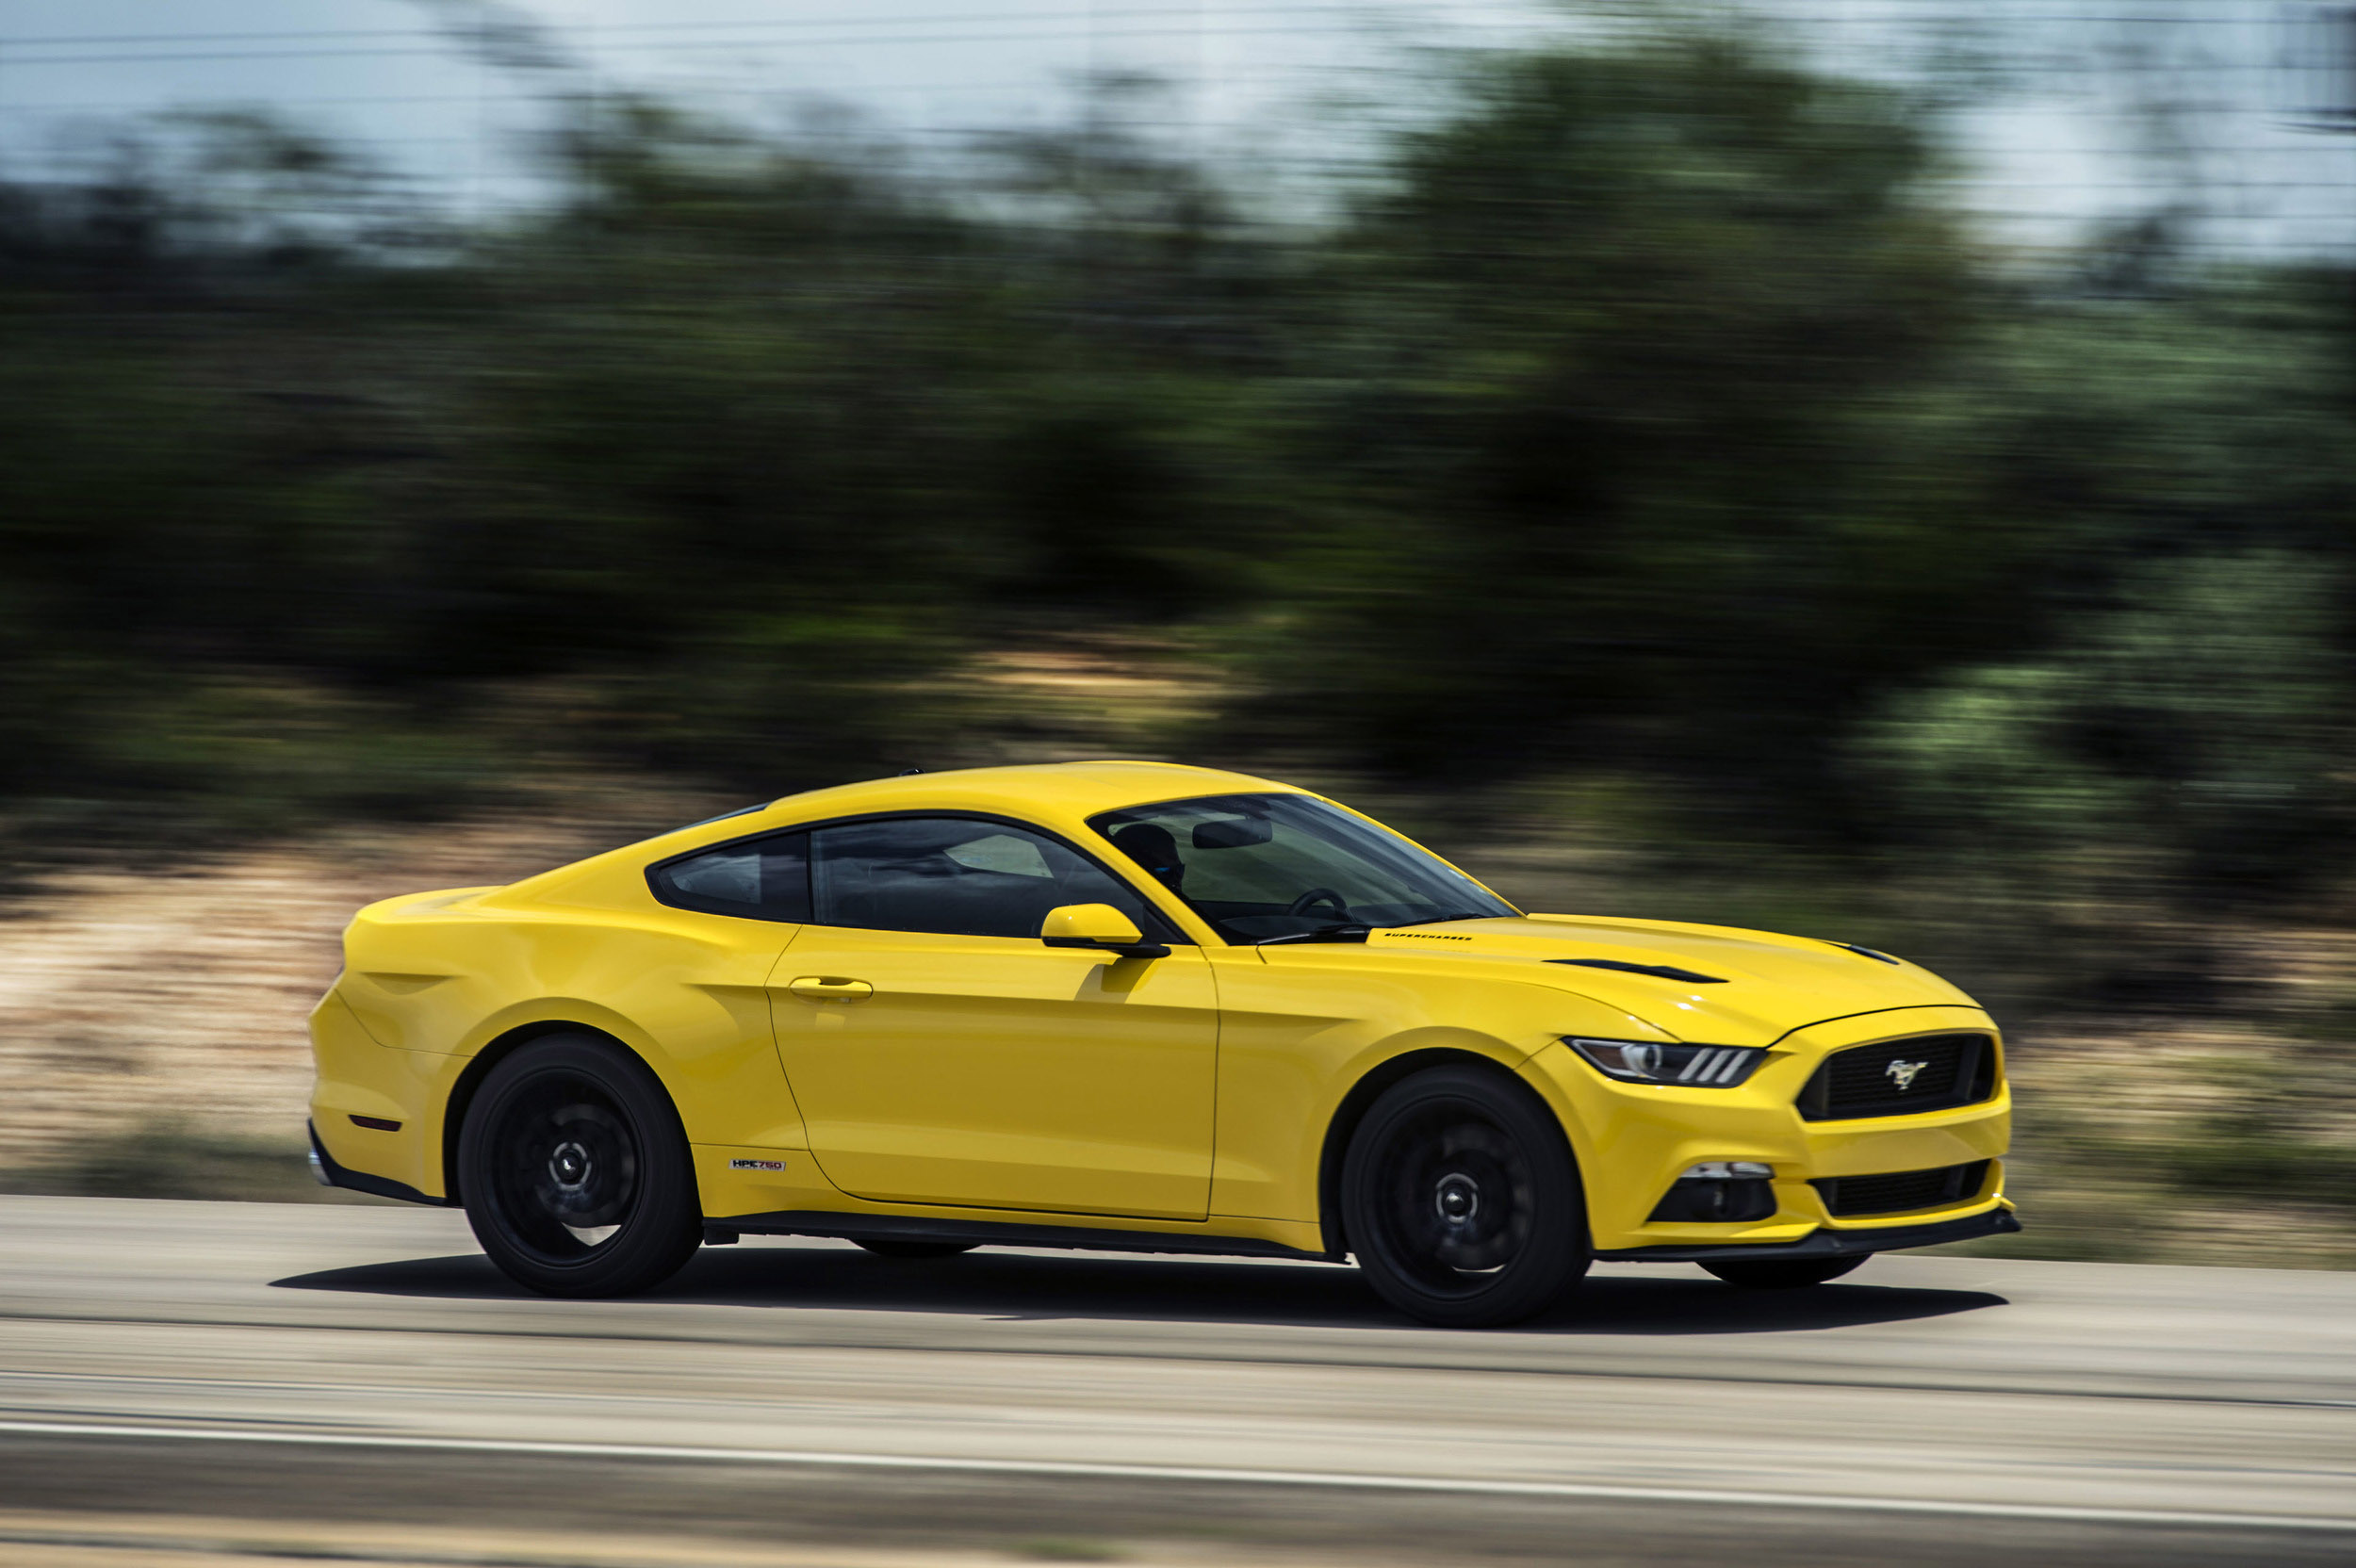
(1783, 1273)
(575, 1172)
(918, 1249)
(1461, 1201)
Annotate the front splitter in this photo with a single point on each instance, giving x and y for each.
(1826, 1243)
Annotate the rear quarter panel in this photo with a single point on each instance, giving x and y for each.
(441, 977)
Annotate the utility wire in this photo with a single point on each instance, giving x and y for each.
(1306, 29)
(1367, 7)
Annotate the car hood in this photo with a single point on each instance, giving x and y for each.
(1760, 987)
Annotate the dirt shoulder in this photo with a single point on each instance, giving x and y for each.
(151, 1024)
(152, 1044)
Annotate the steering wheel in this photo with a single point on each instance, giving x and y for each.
(1315, 896)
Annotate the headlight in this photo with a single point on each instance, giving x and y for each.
(1704, 1066)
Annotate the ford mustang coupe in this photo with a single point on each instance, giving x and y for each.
(1139, 1007)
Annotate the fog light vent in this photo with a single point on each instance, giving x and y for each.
(1718, 1192)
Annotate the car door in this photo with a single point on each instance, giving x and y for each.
(942, 1055)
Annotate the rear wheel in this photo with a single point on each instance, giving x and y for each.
(918, 1249)
(1461, 1201)
(1782, 1273)
(575, 1171)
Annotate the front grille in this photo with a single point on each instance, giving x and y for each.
(1847, 1196)
(1928, 1072)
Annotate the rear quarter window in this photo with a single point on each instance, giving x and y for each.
(757, 879)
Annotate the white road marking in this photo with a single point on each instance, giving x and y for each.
(1332, 1479)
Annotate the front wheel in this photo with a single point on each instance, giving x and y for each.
(575, 1171)
(1782, 1273)
(1461, 1201)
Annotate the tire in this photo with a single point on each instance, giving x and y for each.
(575, 1171)
(918, 1249)
(1462, 1202)
(1782, 1274)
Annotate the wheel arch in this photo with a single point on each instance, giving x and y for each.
(497, 1050)
(1362, 1095)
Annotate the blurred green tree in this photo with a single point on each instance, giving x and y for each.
(1645, 416)
(1634, 389)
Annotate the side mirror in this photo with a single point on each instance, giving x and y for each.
(1100, 926)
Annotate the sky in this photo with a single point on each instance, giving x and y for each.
(377, 71)
(2064, 134)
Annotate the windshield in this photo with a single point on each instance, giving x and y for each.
(1262, 868)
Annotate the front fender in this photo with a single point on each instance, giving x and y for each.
(1307, 1035)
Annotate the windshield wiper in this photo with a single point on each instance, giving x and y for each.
(1357, 930)
(1351, 931)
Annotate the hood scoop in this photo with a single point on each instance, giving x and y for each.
(1663, 971)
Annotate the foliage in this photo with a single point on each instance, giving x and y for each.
(2198, 720)
(167, 1159)
(1644, 429)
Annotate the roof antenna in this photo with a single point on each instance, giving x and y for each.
(910, 773)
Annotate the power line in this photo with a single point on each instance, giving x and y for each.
(1892, 9)
(1306, 29)
(99, 105)
(741, 25)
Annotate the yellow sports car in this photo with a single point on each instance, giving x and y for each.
(1143, 1007)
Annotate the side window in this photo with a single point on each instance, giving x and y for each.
(765, 879)
(954, 876)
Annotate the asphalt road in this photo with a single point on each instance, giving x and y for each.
(198, 1377)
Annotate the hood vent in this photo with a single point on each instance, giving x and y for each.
(1665, 972)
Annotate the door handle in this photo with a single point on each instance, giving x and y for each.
(814, 988)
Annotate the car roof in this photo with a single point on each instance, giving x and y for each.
(1058, 795)
(1066, 790)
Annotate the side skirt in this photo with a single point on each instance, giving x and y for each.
(989, 1233)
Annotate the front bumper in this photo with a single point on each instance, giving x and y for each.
(1827, 1243)
(1633, 1141)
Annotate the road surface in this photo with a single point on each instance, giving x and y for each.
(204, 1383)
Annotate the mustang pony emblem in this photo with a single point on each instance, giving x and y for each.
(1903, 1073)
